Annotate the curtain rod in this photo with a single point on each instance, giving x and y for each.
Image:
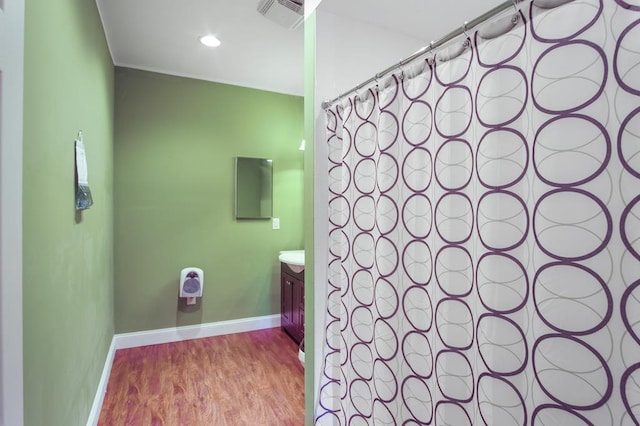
(431, 46)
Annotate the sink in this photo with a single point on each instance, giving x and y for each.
(293, 258)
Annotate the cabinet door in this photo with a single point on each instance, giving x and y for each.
(292, 306)
(286, 300)
(300, 310)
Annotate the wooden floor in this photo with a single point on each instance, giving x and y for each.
(251, 378)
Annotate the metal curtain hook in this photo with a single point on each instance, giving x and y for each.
(516, 16)
(467, 39)
(432, 59)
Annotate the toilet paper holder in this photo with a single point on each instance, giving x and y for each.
(191, 282)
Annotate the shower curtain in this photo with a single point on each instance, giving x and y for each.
(484, 229)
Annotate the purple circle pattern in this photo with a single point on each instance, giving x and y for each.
(387, 172)
(493, 294)
(624, 48)
(416, 216)
(454, 376)
(550, 414)
(508, 410)
(563, 364)
(562, 287)
(454, 164)
(503, 283)
(416, 262)
(365, 139)
(629, 227)
(416, 123)
(630, 305)
(495, 51)
(418, 355)
(630, 390)
(363, 213)
(416, 170)
(503, 220)
(454, 217)
(385, 214)
(454, 111)
(571, 224)
(388, 130)
(457, 70)
(501, 344)
(501, 158)
(579, 220)
(416, 87)
(543, 29)
(452, 413)
(454, 323)
(385, 382)
(364, 176)
(418, 399)
(387, 257)
(454, 271)
(502, 96)
(555, 155)
(628, 141)
(361, 360)
(387, 299)
(386, 341)
(360, 395)
(629, 5)
(558, 78)
(362, 284)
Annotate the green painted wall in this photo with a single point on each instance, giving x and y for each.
(175, 143)
(68, 260)
(309, 132)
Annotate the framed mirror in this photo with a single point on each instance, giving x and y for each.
(254, 188)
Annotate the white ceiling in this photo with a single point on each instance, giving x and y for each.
(427, 20)
(162, 35)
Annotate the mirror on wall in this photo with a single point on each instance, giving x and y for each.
(254, 188)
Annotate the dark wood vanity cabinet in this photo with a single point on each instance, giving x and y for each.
(292, 302)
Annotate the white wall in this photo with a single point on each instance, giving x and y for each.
(11, 102)
(348, 52)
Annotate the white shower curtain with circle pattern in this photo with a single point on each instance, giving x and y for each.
(484, 229)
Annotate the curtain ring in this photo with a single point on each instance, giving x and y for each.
(432, 59)
(467, 40)
(516, 16)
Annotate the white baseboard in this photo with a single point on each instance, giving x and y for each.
(172, 334)
(177, 334)
(94, 415)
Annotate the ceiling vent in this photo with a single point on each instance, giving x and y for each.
(286, 13)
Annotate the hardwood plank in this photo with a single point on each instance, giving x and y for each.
(251, 378)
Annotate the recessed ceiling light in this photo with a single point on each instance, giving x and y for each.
(210, 41)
